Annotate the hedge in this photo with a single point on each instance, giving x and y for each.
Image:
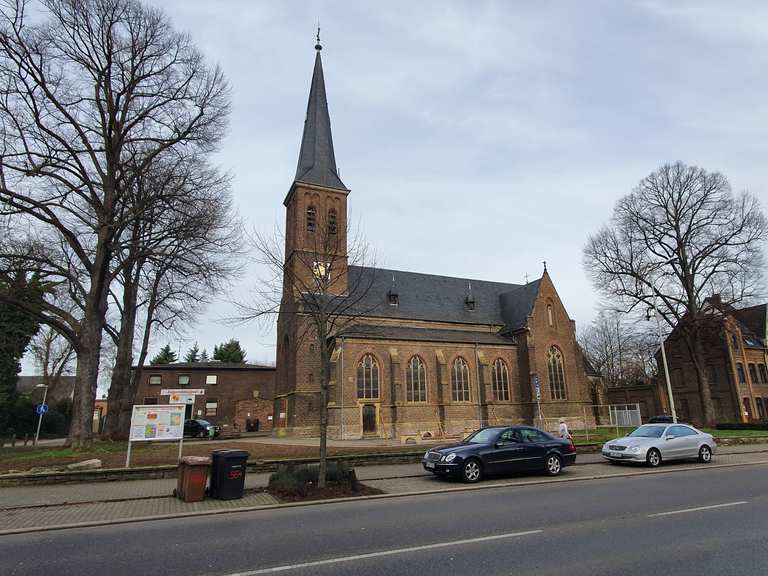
(742, 426)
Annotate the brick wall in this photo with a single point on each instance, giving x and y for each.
(232, 385)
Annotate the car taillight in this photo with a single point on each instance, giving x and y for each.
(572, 447)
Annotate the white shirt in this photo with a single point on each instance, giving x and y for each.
(564, 430)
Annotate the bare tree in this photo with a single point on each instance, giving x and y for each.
(679, 238)
(182, 253)
(89, 97)
(52, 354)
(315, 292)
(619, 347)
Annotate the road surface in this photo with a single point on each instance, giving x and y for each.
(705, 522)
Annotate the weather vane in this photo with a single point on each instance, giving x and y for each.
(318, 46)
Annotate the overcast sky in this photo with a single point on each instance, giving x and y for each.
(480, 138)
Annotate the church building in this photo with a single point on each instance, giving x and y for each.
(432, 356)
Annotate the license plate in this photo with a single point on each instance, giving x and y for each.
(430, 464)
(615, 454)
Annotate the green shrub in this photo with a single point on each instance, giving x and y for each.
(742, 426)
(293, 479)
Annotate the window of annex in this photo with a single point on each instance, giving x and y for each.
(416, 381)
(753, 373)
(460, 380)
(740, 371)
(500, 381)
(311, 218)
(368, 378)
(556, 374)
(763, 374)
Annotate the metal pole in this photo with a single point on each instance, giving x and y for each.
(664, 360)
(40, 419)
(181, 443)
(128, 456)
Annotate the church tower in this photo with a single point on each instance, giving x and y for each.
(316, 204)
(315, 261)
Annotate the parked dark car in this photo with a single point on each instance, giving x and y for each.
(501, 450)
(200, 429)
(661, 419)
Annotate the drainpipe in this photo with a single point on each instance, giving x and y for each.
(342, 387)
(479, 392)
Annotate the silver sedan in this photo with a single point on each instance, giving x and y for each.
(654, 443)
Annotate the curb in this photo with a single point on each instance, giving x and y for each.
(371, 497)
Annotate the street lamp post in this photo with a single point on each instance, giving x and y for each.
(663, 351)
(40, 417)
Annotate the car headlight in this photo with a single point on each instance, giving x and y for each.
(635, 449)
(450, 458)
(426, 454)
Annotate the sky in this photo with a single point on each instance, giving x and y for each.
(481, 138)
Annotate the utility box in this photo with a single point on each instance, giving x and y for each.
(192, 478)
(228, 474)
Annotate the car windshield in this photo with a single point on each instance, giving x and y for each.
(647, 432)
(485, 436)
(204, 422)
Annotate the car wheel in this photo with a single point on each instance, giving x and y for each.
(553, 465)
(472, 471)
(705, 454)
(653, 458)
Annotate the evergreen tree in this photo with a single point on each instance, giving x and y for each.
(204, 356)
(193, 355)
(17, 328)
(165, 356)
(229, 352)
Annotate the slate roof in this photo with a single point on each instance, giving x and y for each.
(317, 162)
(442, 298)
(755, 318)
(425, 335)
(210, 366)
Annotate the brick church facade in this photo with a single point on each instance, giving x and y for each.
(431, 355)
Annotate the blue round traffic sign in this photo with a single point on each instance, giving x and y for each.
(41, 408)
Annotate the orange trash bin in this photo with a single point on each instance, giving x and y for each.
(192, 478)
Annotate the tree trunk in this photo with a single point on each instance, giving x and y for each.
(89, 353)
(325, 364)
(692, 338)
(120, 388)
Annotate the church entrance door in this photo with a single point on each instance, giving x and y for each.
(369, 419)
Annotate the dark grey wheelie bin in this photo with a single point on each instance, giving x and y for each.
(227, 474)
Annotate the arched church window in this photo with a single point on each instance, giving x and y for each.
(311, 218)
(460, 381)
(332, 221)
(556, 374)
(500, 380)
(416, 381)
(368, 377)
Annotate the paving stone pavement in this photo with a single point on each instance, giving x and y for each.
(64, 504)
(20, 518)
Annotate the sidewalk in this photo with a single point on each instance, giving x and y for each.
(27, 507)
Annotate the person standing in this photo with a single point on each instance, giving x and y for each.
(564, 433)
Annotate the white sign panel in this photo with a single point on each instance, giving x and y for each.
(172, 391)
(181, 399)
(157, 422)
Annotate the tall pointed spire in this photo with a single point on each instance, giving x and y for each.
(317, 163)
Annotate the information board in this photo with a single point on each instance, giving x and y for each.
(157, 422)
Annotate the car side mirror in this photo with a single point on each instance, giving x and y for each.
(501, 443)
(670, 437)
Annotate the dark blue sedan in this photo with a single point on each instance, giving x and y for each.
(501, 450)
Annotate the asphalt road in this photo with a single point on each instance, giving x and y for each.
(709, 521)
